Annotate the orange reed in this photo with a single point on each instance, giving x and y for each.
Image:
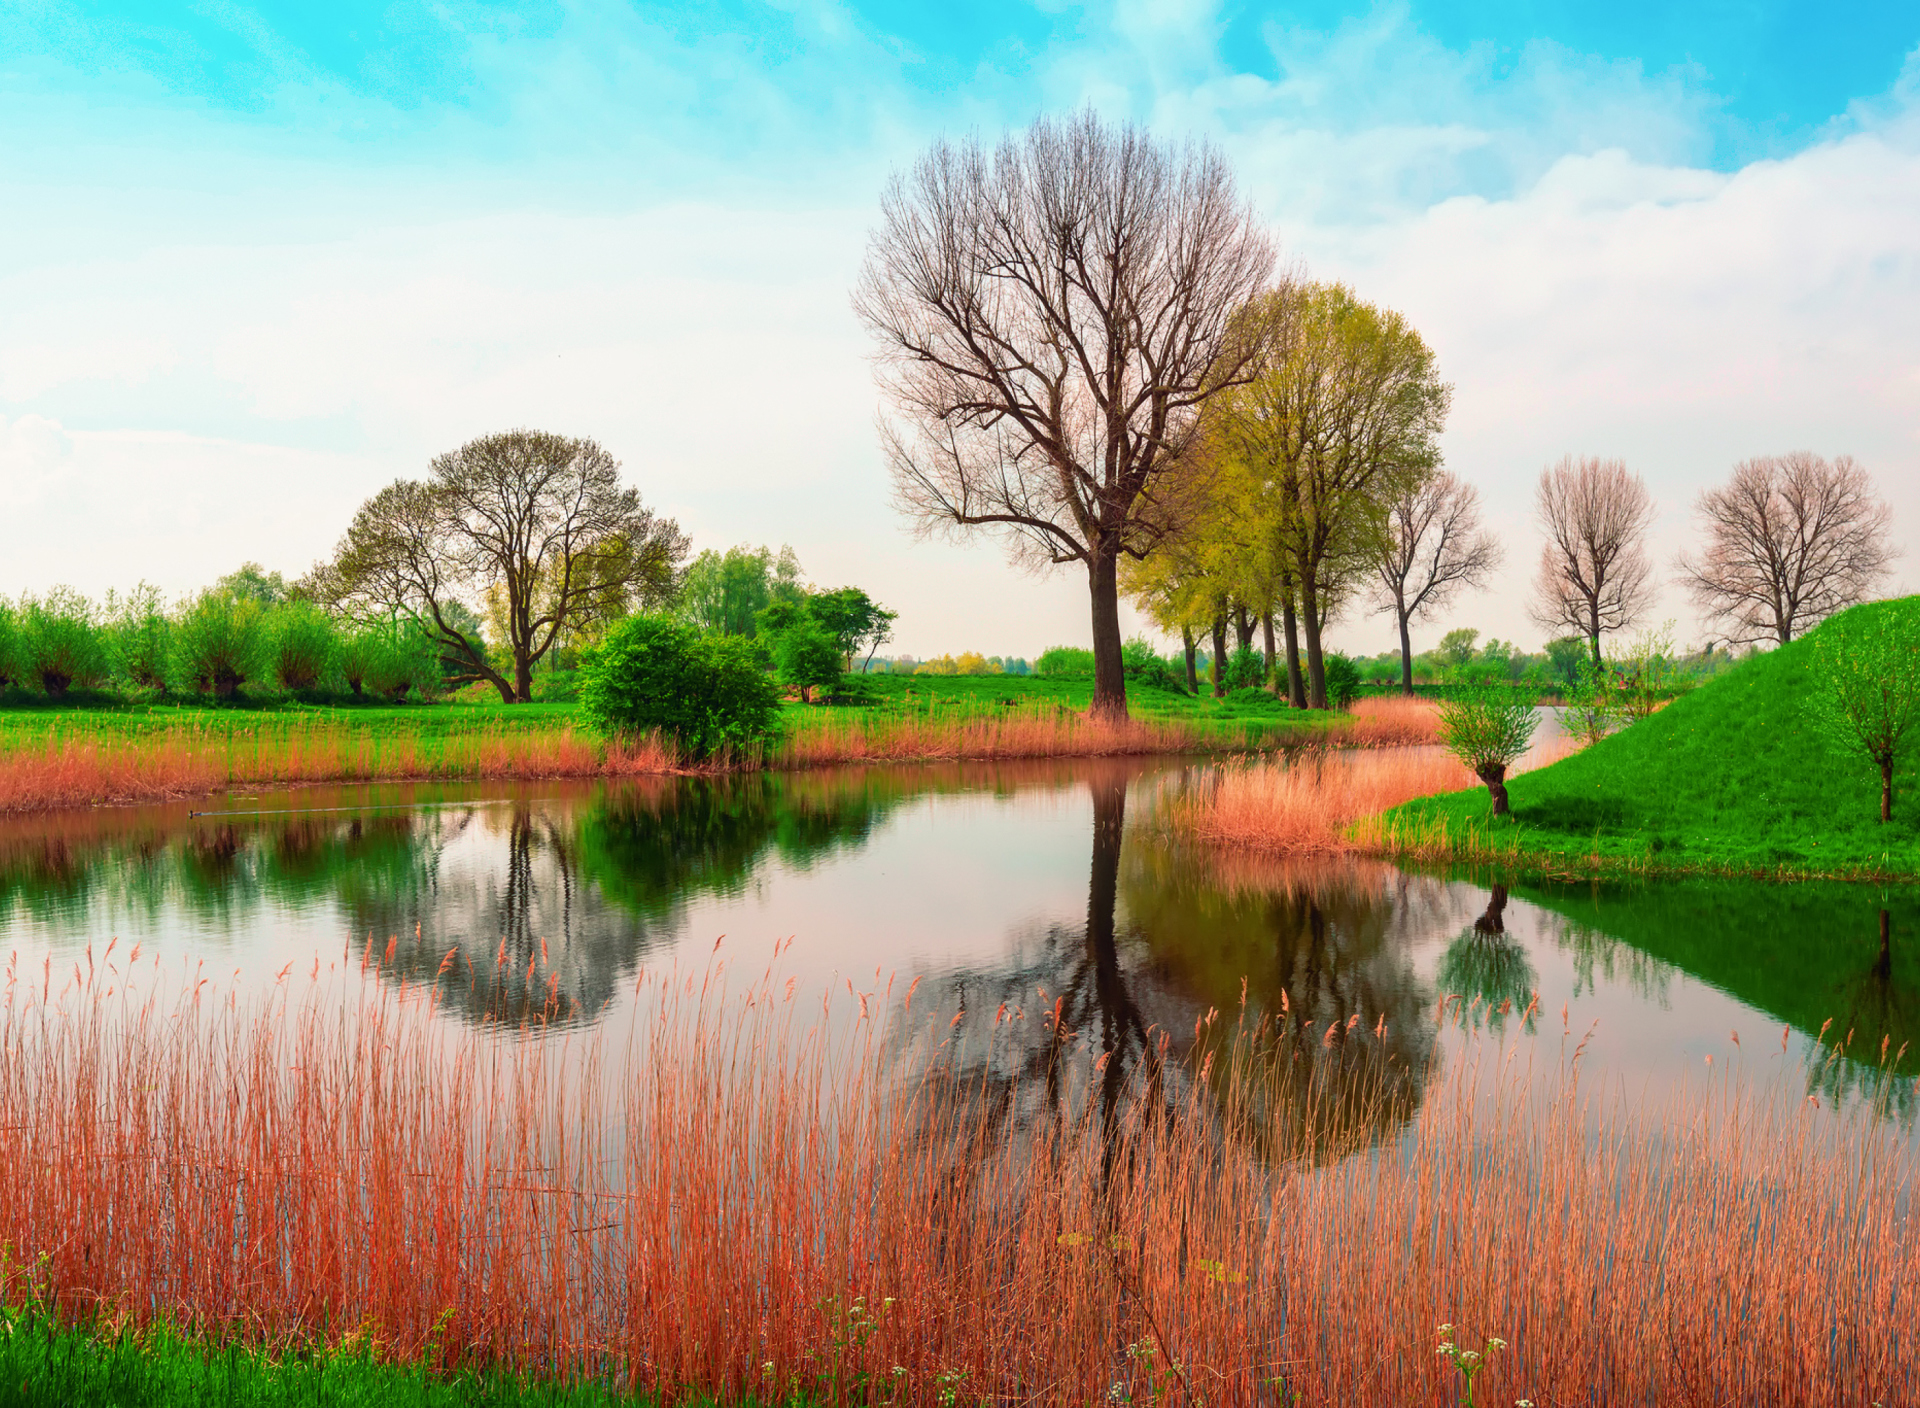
(861, 1208)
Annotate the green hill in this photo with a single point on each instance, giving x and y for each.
(1731, 777)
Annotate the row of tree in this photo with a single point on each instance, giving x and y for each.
(1086, 349)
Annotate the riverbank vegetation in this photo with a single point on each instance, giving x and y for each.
(737, 1204)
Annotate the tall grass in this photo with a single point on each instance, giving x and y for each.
(830, 739)
(751, 1200)
(1325, 802)
(69, 770)
(1392, 720)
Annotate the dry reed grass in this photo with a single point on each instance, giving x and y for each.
(75, 772)
(748, 1206)
(1392, 720)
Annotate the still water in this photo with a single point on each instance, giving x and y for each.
(1020, 884)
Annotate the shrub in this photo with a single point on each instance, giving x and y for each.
(220, 642)
(301, 643)
(401, 660)
(1343, 679)
(1488, 729)
(653, 675)
(808, 658)
(1867, 697)
(356, 657)
(9, 646)
(1143, 664)
(60, 643)
(1065, 662)
(139, 638)
(1246, 669)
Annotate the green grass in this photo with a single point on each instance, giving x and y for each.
(1731, 778)
(43, 1364)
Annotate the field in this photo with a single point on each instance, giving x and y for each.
(758, 1196)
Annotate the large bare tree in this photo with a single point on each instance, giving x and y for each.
(1432, 546)
(1790, 540)
(541, 521)
(1050, 316)
(1594, 575)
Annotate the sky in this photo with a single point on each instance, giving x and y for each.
(257, 261)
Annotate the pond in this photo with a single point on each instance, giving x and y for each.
(535, 908)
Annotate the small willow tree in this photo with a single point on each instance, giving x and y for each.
(1489, 730)
(1867, 700)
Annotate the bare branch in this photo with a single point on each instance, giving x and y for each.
(1594, 575)
(1433, 546)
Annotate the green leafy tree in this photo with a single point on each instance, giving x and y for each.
(1564, 657)
(1593, 705)
(1456, 649)
(403, 660)
(808, 658)
(302, 641)
(139, 637)
(61, 644)
(1867, 696)
(1488, 729)
(704, 694)
(855, 620)
(219, 643)
(9, 645)
(725, 592)
(252, 582)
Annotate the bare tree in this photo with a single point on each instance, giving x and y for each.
(541, 520)
(1432, 546)
(1594, 575)
(1791, 539)
(1050, 317)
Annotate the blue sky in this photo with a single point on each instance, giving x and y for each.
(260, 259)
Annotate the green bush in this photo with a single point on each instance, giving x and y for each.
(9, 646)
(1246, 669)
(808, 658)
(1065, 662)
(139, 638)
(402, 661)
(60, 643)
(301, 643)
(1488, 729)
(1343, 679)
(1143, 665)
(704, 694)
(219, 643)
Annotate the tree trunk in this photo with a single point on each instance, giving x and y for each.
(1316, 664)
(1493, 922)
(1243, 627)
(1109, 675)
(1495, 776)
(1219, 656)
(1193, 673)
(1406, 655)
(1886, 790)
(1296, 689)
(522, 679)
(1267, 652)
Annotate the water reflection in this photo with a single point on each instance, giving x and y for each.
(1043, 889)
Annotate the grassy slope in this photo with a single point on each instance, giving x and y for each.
(1730, 777)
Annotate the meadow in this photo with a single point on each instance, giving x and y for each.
(758, 1195)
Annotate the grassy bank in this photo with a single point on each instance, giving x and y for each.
(1731, 778)
(137, 753)
(852, 1203)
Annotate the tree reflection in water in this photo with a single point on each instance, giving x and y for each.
(1489, 974)
(1298, 986)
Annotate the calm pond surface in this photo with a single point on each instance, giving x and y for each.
(990, 884)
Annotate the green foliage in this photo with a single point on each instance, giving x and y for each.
(1867, 703)
(1488, 729)
(808, 658)
(1456, 647)
(219, 643)
(9, 645)
(1565, 656)
(1734, 775)
(301, 643)
(1246, 669)
(1142, 664)
(705, 694)
(252, 582)
(1064, 662)
(401, 660)
(60, 643)
(725, 592)
(139, 638)
(1343, 679)
(1591, 711)
(858, 623)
